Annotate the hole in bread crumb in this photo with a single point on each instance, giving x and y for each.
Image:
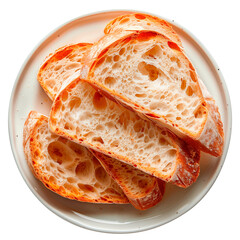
(71, 180)
(163, 141)
(150, 145)
(115, 143)
(140, 95)
(128, 57)
(79, 150)
(104, 70)
(75, 102)
(156, 159)
(60, 170)
(58, 152)
(110, 81)
(171, 71)
(83, 169)
(102, 176)
(173, 59)
(64, 96)
(185, 112)
(138, 126)
(98, 139)
(124, 20)
(116, 65)
(148, 69)
(124, 119)
(72, 65)
(189, 91)
(146, 139)
(169, 115)
(178, 118)
(86, 188)
(68, 186)
(99, 127)
(154, 52)
(154, 105)
(51, 83)
(180, 106)
(52, 179)
(109, 59)
(122, 51)
(116, 58)
(139, 16)
(68, 126)
(173, 45)
(58, 67)
(171, 153)
(183, 85)
(99, 101)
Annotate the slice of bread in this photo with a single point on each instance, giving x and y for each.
(82, 114)
(84, 176)
(65, 167)
(59, 66)
(150, 74)
(142, 190)
(142, 21)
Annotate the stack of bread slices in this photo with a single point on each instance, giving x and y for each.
(129, 114)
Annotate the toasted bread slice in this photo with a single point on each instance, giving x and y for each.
(59, 65)
(82, 114)
(65, 167)
(142, 21)
(142, 190)
(150, 74)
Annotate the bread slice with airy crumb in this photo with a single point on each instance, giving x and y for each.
(142, 21)
(84, 115)
(67, 164)
(65, 167)
(150, 74)
(59, 66)
(142, 190)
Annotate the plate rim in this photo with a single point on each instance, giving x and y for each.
(102, 229)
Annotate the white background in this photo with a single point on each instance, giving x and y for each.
(25, 23)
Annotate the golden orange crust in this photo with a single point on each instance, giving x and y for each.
(142, 21)
(34, 155)
(191, 168)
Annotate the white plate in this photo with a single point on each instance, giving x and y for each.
(27, 95)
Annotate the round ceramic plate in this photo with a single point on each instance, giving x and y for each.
(27, 95)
